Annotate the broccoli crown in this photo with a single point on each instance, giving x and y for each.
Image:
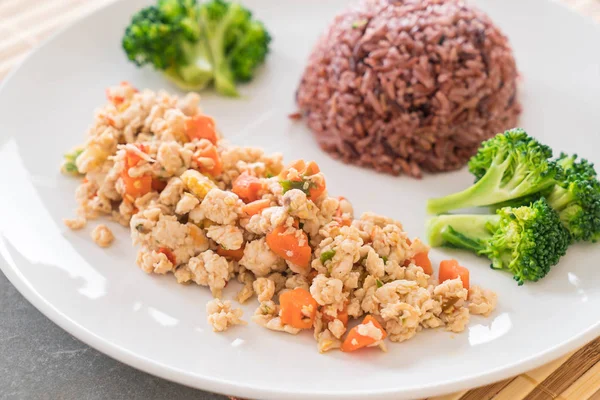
(526, 240)
(516, 148)
(577, 198)
(573, 165)
(509, 166)
(156, 33)
(195, 44)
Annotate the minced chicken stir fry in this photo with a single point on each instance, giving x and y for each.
(207, 212)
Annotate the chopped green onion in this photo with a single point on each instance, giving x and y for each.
(69, 166)
(304, 185)
(379, 283)
(327, 255)
(384, 258)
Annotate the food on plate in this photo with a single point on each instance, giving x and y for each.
(196, 44)
(576, 198)
(509, 166)
(102, 235)
(75, 223)
(207, 212)
(527, 241)
(542, 206)
(411, 85)
(221, 315)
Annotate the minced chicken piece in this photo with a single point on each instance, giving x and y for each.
(481, 301)
(210, 269)
(327, 341)
(154, 262)
(264, 289)
(102, 235)
(221, 316)
(230, 237)
(401, 321)
(337, 328)
(327, 291)
(297, 281)
(259, 258)
(75, 223)
(186, 204)
(220, 206)
(297, 204)
(456, 320)
(267, 220)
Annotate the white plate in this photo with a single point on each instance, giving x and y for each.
(152, 323)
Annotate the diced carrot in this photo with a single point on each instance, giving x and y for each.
(158, 185)
(136, 187)
(210, 151)
(140, 185)
(293, 303)
(255, 207)
(423, 261)
(247, 187)
(341, 315)
(298, 165)
(355, 340)
(451, 269)
(317, 190)
(132, 158)
(311, 168)
(201, 127)
(290, 247)
(232, 254)
(169, 254)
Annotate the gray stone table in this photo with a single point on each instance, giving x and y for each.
(38, 360)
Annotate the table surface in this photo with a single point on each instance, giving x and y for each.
(38, 360)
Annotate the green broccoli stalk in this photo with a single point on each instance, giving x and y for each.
(509, 166)
(526, 241)
(577, 198)
(195, 45)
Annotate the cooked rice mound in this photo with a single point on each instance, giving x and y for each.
(409, 85)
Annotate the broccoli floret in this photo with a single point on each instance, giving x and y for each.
(577, 198)
(572, 164)
(509, 166)
(526, 240)
(195, 44)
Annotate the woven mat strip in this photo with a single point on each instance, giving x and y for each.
(24, 23)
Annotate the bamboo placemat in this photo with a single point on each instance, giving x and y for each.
(576, 376)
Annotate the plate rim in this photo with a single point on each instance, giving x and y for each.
(224, 386)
